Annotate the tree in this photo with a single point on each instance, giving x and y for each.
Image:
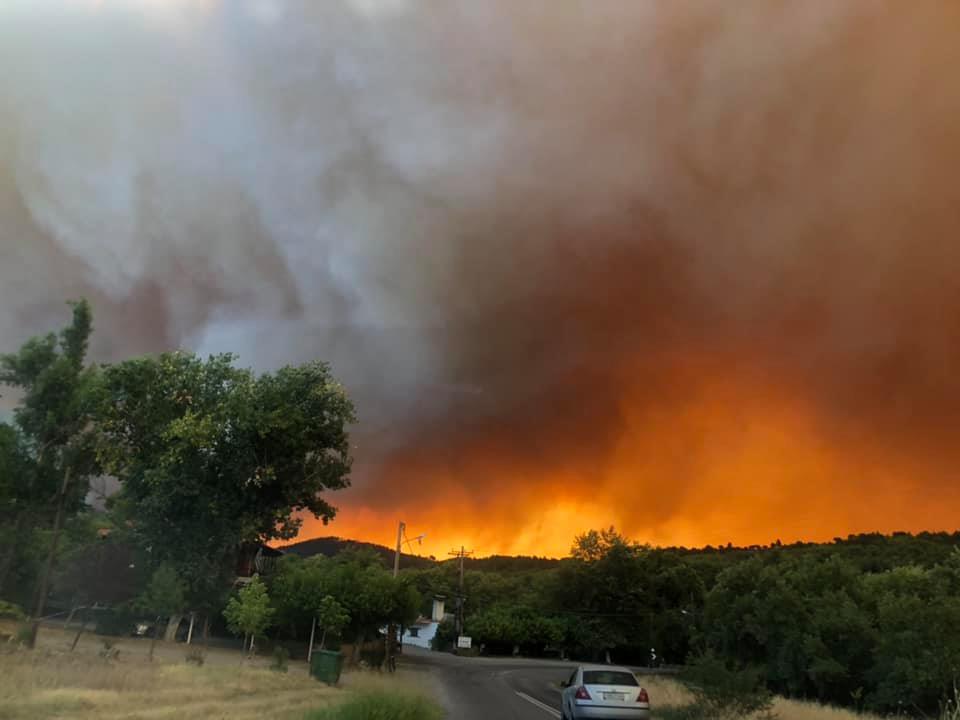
(211, 456)
(249, 611)
(16, 478)
(54, 418)
(164, 596)
(331, 616)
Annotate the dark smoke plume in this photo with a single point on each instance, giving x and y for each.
(689, 267)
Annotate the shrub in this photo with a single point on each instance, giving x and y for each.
(9, 611)
(108, 651)
(373, 655)
(380, 705)
(196, 656)
(280, 657)
(723, 691)
(116, 622)
(446, 636)
(24, 634)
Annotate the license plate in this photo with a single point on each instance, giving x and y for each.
(614, 696)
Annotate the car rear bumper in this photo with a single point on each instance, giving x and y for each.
(599, 712)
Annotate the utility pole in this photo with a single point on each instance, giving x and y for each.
(391, 628)
(396, 558)
(461, 553)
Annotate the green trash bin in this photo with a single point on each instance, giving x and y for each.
(326, 666)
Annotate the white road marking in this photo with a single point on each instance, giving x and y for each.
(542, 706)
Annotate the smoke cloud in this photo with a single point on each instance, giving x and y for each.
(688, 267)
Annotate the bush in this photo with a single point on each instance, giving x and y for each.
(380, 705)
(117, 623)
(24, 633)
(196, 656)
(723, 691)
(108, 651)
(9, 611)
(446, 636)
(373, 656)
(280, 657)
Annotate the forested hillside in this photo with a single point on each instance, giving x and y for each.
(870, 620)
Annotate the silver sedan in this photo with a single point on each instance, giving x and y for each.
(604, 692)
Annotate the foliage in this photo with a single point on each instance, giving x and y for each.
(281, 657)
(108, 651)
(382, 705)
(723, 691)
(24, 634)
(249, 611)
(116, 621)
(361, 586)
(196, 656)
(9, 611)
(50, 448)
(332, 617)
(446, 636)
(211, 456)
(165, 594)
(505, 625)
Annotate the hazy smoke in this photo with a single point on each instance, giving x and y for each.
(696, 261)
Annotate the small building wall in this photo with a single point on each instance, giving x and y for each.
(425, 634)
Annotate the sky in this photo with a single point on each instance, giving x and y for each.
(687, 268)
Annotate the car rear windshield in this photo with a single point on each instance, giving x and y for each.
(608, 677)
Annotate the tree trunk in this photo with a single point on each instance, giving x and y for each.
(173, 624)
(51, 555)
(206, 631)
(153, 640)
(323, 640)
(190, 629)
(7, 563)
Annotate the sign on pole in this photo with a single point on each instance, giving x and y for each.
(463, 642)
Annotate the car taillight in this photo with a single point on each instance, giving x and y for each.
(582, 694)
(643, 697)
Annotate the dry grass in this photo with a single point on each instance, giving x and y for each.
(668, 693)
(53, 684)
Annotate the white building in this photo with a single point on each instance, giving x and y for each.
(422, 632)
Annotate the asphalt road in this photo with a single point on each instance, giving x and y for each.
(491, 688)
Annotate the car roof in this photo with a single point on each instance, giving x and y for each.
(606, 668)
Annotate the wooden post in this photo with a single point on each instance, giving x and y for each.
(313, 630)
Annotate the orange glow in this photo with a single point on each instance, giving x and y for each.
(732, 463)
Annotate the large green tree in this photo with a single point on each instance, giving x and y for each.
(54, 421)
(211, 456)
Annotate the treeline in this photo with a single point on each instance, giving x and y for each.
(871, 621)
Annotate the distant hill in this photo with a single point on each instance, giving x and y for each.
(330, 546)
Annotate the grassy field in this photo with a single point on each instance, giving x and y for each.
(667, 693)
(54, 683)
